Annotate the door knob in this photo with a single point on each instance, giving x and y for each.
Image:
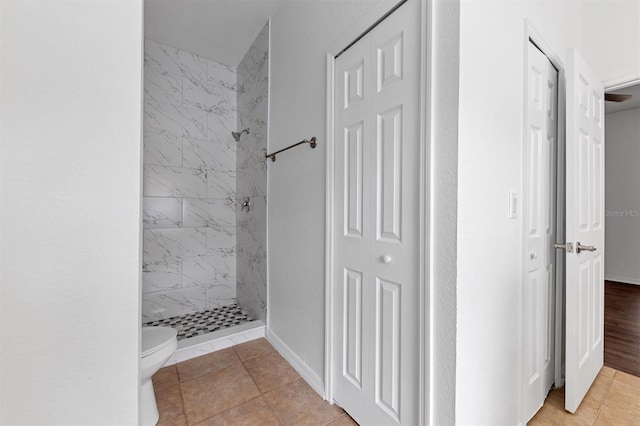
(532, 255)
(386, 259)
(580, 247)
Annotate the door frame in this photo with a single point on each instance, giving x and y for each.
(532, 35)
(426, 145)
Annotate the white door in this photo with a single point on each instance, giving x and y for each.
(584, 228)
(376, 265)
(539, 218)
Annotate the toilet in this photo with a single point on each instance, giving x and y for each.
(158, 344)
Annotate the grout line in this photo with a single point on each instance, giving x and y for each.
(335, 419)
(184, 407)
(277, 387)
(227, 410)
(262, 394)
(285, 384)
(252, 379)
(232, 407)
(205, 374)
(251, 357)
(278, 419)
(604, 398)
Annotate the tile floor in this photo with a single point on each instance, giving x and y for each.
(614, 399)
(247, 384)
(251, 384)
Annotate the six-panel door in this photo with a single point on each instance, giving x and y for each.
(376, 265)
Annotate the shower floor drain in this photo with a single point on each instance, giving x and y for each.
(191, 325)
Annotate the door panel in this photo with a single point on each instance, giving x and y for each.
(389, 205)
(387, 377)
(539, 220)
(353, 157)
(376, 216)
(352, 296)
(584, 225)
(352, 333)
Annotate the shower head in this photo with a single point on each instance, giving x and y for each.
(236, 135)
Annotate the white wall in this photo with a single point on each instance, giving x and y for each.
(611, 38)
(443, 228)
(301, 35)
(492, 43)
(622, 197)
(70, 217)
(487, 358)
(490, 165)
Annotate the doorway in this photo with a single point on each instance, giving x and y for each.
(622, 225)
(579, 299)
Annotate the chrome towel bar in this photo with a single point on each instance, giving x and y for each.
(312, 142)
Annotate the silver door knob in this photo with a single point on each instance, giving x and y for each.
(386, 259)
(580, 247)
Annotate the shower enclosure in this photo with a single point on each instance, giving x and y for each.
(205, 134)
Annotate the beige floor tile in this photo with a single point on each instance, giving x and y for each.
(628, 379)
(622, 406)
(541, 419)
(253, 348)
(298, 404)
(344, 420)
(170, 406)
(216, 392)
(607, 371)
(553, 412)
(270, 371)
(251, 413)
(167, 376)
(206, 364)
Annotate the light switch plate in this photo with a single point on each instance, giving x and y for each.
(513, 205)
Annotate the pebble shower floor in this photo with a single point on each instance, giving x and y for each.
(191, 325)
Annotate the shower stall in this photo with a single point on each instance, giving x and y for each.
(204, 207)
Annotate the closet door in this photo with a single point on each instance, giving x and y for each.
(540, 235)
(376, 265)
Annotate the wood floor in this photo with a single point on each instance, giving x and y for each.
(622, 327)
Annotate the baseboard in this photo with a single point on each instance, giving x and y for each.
(620, 279)
(298, 364)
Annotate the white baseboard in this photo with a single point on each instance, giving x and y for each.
(621, 279)
(298, 364)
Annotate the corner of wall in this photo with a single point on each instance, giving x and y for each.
(444, 69)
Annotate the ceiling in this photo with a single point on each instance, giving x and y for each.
(220, 30)
(634, 102)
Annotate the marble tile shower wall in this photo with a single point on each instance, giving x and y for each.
(189, 261)
(253, 87)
